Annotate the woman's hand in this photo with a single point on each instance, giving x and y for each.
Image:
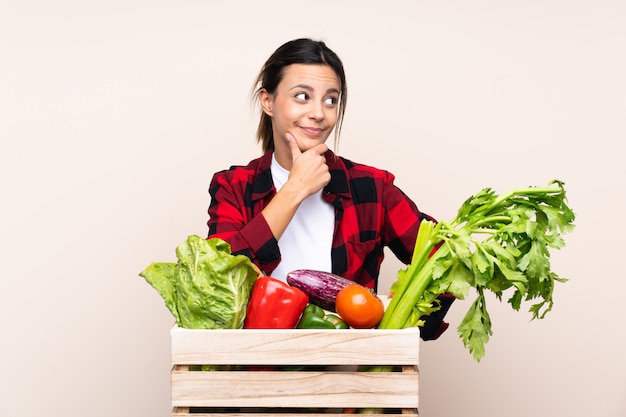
(309, 172)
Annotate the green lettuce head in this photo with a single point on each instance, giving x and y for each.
(208, 288)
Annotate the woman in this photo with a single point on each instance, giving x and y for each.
(300, 205)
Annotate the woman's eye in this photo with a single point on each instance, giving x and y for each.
(302, 96)
(331, 100)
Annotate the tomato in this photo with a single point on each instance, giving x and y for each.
(359, 307)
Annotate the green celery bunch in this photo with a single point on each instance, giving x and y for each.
(495, 243)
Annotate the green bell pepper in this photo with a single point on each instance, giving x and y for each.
(314, 317)
(336, 321)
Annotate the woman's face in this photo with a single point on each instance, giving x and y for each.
(305, 104)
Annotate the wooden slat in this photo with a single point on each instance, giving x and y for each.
(301, 389)
(178, 412)
(295, 347)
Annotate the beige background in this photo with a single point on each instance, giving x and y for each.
(115, 114)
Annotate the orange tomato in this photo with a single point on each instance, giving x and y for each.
(358, 307)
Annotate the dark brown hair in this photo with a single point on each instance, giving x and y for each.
(297, 51)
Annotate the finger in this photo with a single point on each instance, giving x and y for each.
(293, 146)
(320, 148)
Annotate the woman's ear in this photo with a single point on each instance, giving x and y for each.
(265, 99)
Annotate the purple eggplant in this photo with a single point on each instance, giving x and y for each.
(321, 287)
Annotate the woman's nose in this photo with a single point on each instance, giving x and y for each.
(316, 111)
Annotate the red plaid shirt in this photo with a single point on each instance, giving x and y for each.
(370, 213)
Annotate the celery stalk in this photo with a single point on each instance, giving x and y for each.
(495, 243)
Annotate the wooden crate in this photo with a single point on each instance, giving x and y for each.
(293, 372)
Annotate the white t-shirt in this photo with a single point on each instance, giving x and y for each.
(307, 241)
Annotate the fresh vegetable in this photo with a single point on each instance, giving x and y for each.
(358, 307)
(321, 287)
(495, 243)
(208, 288)
(336, 321)
(274, 305)
(314, 317)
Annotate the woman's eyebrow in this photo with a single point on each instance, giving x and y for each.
(309, 88)
(302, 86)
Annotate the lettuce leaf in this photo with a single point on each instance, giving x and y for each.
(208, 288)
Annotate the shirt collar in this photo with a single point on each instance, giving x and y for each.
(263, 184)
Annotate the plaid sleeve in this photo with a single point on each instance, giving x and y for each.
(402, 218)
(234, 218)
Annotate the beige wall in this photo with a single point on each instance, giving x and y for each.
(114, 115)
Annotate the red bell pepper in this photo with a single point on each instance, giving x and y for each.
(274, 304)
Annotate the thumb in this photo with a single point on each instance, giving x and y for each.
(293, 146)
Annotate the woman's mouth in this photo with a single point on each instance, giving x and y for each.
(312, 131)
